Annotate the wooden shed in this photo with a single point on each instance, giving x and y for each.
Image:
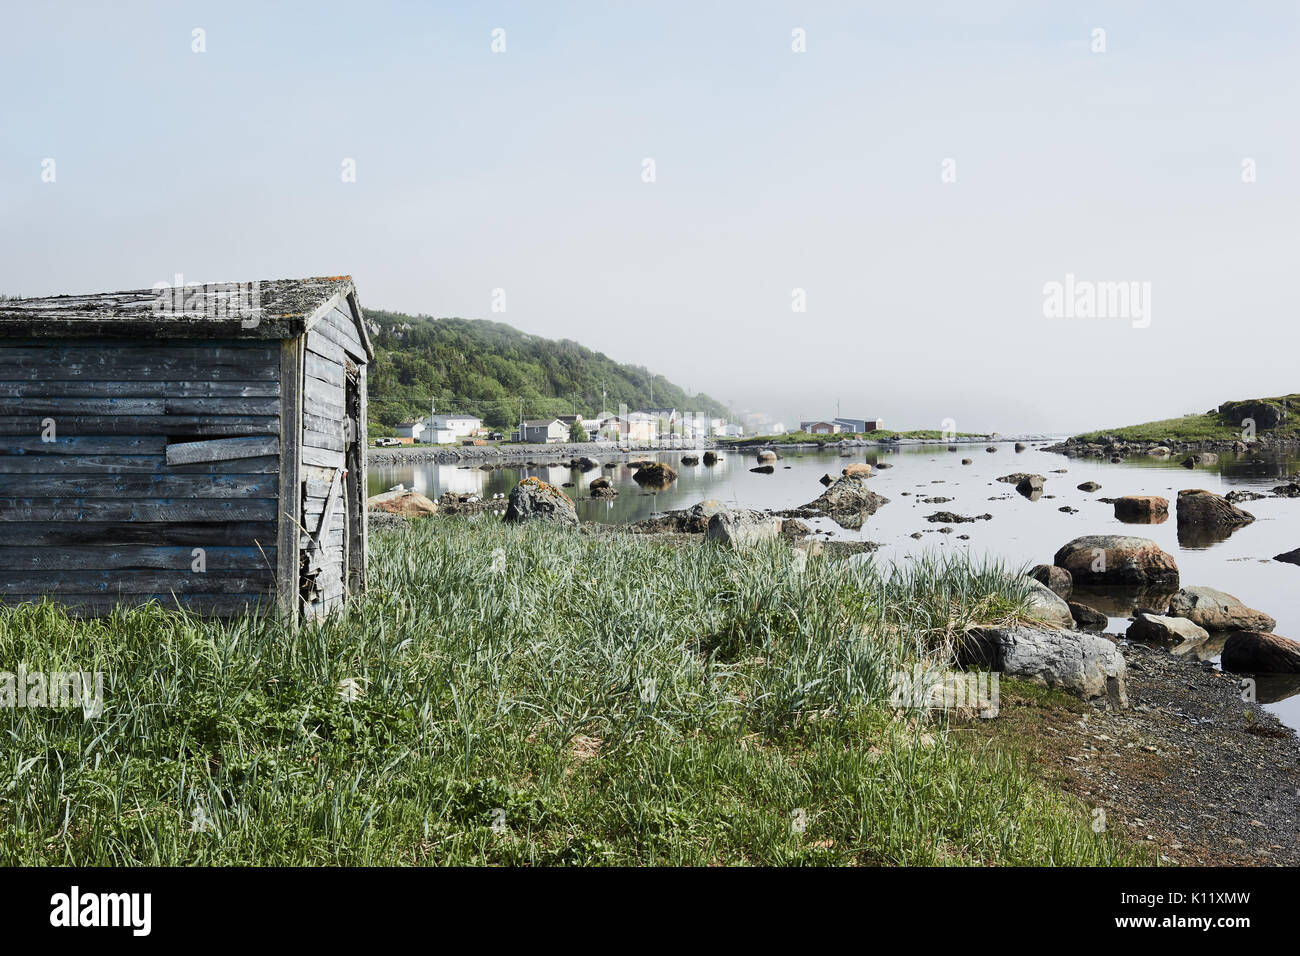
(199, 445)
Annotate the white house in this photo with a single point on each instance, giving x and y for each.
(412, 429)
(732, 430)
(461, 426)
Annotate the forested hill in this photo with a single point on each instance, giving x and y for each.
(485, 368)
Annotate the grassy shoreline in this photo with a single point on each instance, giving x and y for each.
(534, 696)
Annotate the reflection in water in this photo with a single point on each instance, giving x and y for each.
(1271, 688)
(1123, 601)
(1199, 537)
(1131, 518)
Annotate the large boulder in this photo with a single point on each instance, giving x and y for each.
(408, 504)
(859, 469)
(1254, 652)
(1164, 631)
(1145, 509)
(1289, 557)
(1058, 580)
(766, 456)
(1216, 610)
(741, 528)
(1048, 607)
(711, 457)
(1080, 663)
(690, 459)
(1117, 559)
(655, 473)
(1089, 486)
(535, 500)
(1198, 508)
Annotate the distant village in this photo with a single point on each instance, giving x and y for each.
(644, 426)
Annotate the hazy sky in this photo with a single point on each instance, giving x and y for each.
(774, 170)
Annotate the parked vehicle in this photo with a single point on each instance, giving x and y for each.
(386, 441)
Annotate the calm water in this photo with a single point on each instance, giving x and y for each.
(1021, 531)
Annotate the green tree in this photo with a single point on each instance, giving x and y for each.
(577, 433)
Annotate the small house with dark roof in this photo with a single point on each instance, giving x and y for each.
(197, 445)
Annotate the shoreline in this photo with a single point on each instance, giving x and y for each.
(519, 453)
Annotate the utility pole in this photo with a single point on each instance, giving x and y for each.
(521, 420)
(602, 401)
(429, 438)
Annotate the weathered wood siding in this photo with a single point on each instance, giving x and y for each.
(126, 464)
(333, 363)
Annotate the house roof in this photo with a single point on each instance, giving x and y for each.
(542, 422)
(264, 309)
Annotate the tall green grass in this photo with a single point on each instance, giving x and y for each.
(531, 696)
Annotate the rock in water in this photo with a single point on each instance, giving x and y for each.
(1254, 652)
(763, 469)
(1080, 663)
(690, 459)
(1116, 559)
(1201, 458)
(1031, 486)
(1142, 508)
(1290, 557)
(848, 500)
(1164, 631)
(742, 529)
(1215, 610)
(535, 500)
(655, 473)
(1087, 618)
(827, 479)
(1089, 486)
(859, 468)
(1058, 580)
(601, 488)
(766, 456)
(1198, 508)
(710, 458)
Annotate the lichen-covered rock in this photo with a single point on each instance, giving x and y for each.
(1117, 559)
(1080, 663)
(1048, 607)
(535, 500)
(1216, 610)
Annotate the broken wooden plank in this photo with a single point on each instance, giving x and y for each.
(226, 449)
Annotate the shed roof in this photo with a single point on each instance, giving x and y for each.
(264, 309)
